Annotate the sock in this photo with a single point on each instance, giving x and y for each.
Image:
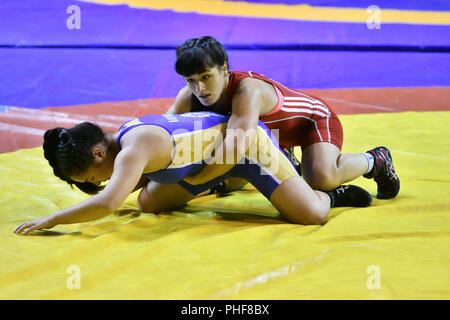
(370, 161)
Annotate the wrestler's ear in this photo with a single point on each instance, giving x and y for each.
(225, 67)
(99, 154)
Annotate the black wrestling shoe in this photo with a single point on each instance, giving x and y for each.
(349, 196)
(289, 152)
(220, 188)
(383, 173)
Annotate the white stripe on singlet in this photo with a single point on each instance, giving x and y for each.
(305, 103)
(309, 106)
(303, 97)
(303, 110)
(328, 129)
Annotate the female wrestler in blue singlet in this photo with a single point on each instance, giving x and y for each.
(168, 149)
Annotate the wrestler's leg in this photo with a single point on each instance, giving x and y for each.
(325, 167)
(156, 197)
(298, 203)
(233, 184)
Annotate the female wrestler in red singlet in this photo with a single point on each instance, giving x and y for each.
(301, 120)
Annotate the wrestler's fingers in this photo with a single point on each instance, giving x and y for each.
(24, 228)
(31, 228)
(21, 227)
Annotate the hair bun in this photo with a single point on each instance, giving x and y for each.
(56, 139)
(51, 144)
(64, 138)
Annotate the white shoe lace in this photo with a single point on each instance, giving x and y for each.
(341, 189)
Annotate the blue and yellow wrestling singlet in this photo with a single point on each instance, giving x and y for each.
(195, 137)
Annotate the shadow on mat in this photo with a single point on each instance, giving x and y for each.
(50, 233)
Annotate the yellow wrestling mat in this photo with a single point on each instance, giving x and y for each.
(395, 249)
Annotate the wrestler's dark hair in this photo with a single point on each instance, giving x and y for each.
(196, 54)
(68, 152)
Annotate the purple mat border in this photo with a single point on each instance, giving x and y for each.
(432, 5)
(122, 53)
(32, 23)
(38, 78)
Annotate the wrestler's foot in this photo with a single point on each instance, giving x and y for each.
(291, 156)
(349, 196)
(383, 173)
(220, 188)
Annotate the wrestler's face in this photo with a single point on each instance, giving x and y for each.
(210, 85)
(100, 171)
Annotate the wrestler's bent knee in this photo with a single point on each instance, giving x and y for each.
(145, 203)
(322, 180)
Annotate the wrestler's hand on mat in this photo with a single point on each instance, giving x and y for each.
(41, 223)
